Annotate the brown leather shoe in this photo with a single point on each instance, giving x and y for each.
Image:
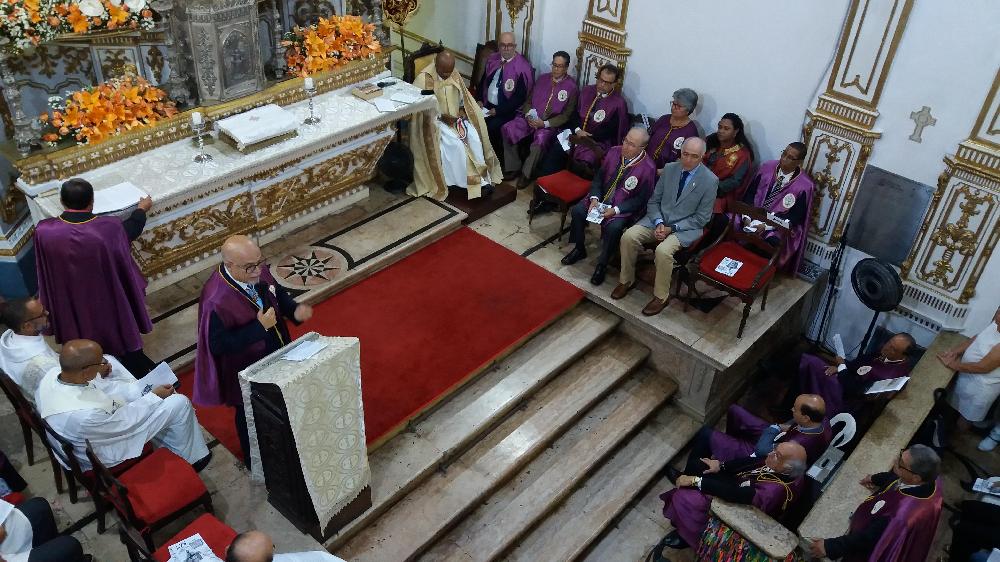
(655, 306)
(523, 182)
(621, 290)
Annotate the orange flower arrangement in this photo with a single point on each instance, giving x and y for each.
(94, 114)
(330, 43)
(30, 22)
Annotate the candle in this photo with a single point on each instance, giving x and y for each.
(308, 83)
(196, 118)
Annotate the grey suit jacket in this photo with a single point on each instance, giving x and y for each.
(689, 214)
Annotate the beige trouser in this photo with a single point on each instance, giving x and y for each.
(631, 245)
(512, 159)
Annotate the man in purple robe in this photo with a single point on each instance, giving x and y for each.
(771, 484)
(843, 384)
(747, 435)
(88, 280)
(781, 187)
(550, 107)
(241, 319)
(504, 88)
(669, 132)
(622, 187)
(898, 521)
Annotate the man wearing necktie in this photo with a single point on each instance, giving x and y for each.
(676, 216)
(241, 319)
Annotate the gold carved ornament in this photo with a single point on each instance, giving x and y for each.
(942, 185)
(826, 181)
(955, 237)
(399, 11)
(11, 205)
(514, 8)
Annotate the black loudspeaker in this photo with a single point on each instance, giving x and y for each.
(878, 286)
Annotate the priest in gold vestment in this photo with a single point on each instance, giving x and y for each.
(467, 159)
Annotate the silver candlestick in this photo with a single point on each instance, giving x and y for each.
(199, 130)
(312, 119)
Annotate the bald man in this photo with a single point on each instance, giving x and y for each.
(241, 319)
(467, 159)
(84, 399)
(256, 546)
(504, 88)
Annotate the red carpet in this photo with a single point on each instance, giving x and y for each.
(217, 420)
(429, 322)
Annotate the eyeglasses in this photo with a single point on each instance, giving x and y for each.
(101, 364)
(786, 155)
(507, 45)
(44, 314)
(560, 65)
(899, 463)
(251, 267)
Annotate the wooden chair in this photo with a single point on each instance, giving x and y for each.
(759, 267)
(483, 52)
(564, 189)
(28, 418)
(152, 493)
(417, 60)
(218, 536)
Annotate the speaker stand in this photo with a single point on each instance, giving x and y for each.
(831, 289)
(868, 334)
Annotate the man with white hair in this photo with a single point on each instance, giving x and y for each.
(676, 215)
(506, 83)
(619, 192)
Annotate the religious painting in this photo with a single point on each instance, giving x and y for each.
(237, 60)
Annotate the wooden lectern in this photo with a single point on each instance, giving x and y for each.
(307, 434)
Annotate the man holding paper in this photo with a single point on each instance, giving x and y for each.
(88, 279)
(86, 398)
(241, 319)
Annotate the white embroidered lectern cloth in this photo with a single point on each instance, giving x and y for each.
(323, 397)
(258, 124)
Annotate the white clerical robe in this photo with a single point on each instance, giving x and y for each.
(313, 556)
(118, 418)
(17, 546)
(26, 359)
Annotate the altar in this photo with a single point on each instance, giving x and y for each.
(265, 194)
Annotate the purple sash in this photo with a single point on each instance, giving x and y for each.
(595, 112)
(621, 183)
(665, 141)
(782, 201)
(548, 98)
(913, 522)
(514, 69)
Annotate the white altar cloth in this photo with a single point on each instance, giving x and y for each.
(258, 124)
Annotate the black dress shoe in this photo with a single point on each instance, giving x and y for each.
(599, 273)
(487, 191)
(674, 540)
(575, 255)
(672, 474)
(542, 207)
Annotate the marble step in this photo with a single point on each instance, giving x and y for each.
(585, 515)
(545, 482)
(404, 461)
(430, 510)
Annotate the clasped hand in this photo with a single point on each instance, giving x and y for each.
(661, 232)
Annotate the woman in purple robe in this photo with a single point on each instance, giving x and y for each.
(669, 132)
(783, 188)
(898, 521)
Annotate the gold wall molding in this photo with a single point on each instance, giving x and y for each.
(520, 16)
(602, 39)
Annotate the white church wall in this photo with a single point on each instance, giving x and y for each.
(460, 26)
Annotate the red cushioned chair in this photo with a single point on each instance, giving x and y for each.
(564, 189)
(218, 536)
(152, 493)
(28, 418)
(759, 267)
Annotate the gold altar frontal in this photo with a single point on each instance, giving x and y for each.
(264, 194)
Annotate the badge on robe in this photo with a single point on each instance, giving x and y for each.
(631, 182)
(878, 505)
(599, 116)
(864, 370)
(508, 85)
(745, 484)
(563, 95)
(788, 201)
(678, 143)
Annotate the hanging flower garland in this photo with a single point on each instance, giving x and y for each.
(93, 114)
(330, 43)
(27, 23)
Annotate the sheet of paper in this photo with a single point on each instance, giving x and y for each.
(304, 351)
(160, 375)
(838, 346)
(729, 267)
(406, 97)
(116, 197)
(384, 105)
(889, 385)
(987, 485)
(564, 139)
(532, 114)
(191, 549)
(5, 509)
(596, 214)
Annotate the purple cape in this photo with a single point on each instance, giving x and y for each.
(801, 186)
(688, 508)
(593, 112)
(814, 380)
(665, 142)
(743, 430)
(90, 283)
(625, 187)
(517, 68)
(216, 377)
(913, 522)
(548, 98)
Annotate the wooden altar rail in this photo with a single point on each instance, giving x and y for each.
(890, 433)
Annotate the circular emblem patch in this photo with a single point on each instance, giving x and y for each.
(509, 85)
(788, 201)
(631, 182)
(878, 505)
(563, 95)
(599, 116)
(678, 143)
(862, 371)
